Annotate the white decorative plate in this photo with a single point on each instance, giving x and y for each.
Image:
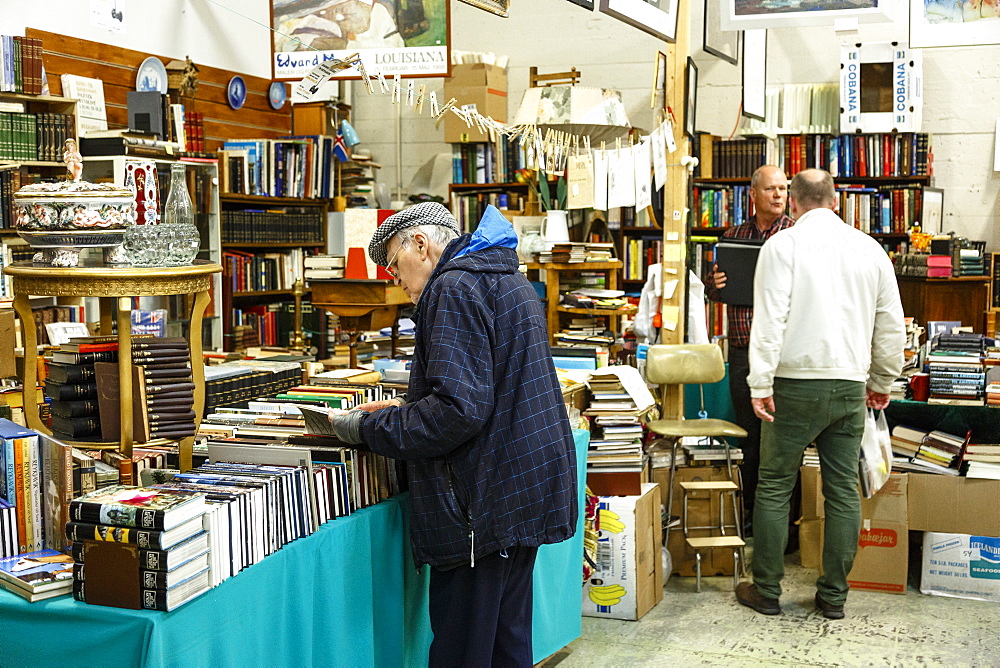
(152, 76)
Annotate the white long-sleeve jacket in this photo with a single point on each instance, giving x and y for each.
(826, 306)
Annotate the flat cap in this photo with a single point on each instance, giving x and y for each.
(425, 213)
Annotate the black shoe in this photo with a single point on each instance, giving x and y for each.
(829, 610)
(747, 594)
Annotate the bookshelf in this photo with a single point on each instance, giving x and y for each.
(263, 242)
(468, 201)
(554, 274)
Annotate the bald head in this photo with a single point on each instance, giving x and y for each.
(812, 189)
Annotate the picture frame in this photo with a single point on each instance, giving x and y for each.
(586, 4)
(658, 97)
(754, 72)
(498, 7)
(747, 14)
(724, 44)
(415, 44)
(690, 96)
(932, 210)
(930, 26)
(656, 17)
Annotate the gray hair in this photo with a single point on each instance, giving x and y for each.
(435, 233)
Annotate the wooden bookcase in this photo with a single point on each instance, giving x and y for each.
(250, 228)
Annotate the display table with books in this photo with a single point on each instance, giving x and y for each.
(984, 421)
(348, 595)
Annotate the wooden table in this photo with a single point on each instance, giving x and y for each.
(114, 287)
(361, 305)
(962, 298)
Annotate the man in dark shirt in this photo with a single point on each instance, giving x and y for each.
(769, 192)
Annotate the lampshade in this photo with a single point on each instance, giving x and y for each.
(594, 112)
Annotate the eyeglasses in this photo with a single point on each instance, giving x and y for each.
(389, 268)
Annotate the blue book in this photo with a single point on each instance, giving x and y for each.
(252, 148)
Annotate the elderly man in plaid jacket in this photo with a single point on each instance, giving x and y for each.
(483, 430)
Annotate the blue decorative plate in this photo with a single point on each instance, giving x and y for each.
(152, 76)
(277, 94)
(236, 93)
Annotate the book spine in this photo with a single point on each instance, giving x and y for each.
(19, 480)
(99, 513)
(34, 451)
(81, 531)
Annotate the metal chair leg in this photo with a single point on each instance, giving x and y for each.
(737, 566)
(697, 570)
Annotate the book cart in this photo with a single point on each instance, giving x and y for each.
(114, 287)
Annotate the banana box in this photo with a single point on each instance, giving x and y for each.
(628, 581)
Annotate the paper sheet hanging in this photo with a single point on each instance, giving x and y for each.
(580, 182)
(640, 164)
(631, 381)
(659, 150)
(601, 180)
(621, 178)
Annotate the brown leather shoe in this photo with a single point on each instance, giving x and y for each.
(747, 594)
(829, 610)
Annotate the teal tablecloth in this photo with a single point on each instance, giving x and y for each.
(346, 596)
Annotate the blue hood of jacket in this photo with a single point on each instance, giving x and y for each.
(493, 230)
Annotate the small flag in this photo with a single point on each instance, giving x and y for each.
(340, 149)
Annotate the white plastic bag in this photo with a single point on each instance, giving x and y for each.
(875, 460)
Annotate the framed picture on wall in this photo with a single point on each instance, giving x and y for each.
(932, 210)
(657, 17)
(745, 14)
(690, 97)
(954, 23)
(658, 98)
(721, 43)
(498, 7)
(754, 73)
(411, 41)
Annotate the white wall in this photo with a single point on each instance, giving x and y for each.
(961, 94)
(202, 29)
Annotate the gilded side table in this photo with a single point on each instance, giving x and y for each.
(114, 287)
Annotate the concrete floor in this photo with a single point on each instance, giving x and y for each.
(710, 628)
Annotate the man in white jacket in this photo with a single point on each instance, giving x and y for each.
(827, 339)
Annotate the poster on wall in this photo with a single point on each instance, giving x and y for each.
(392, 37)
(744, 14)
(954, 23)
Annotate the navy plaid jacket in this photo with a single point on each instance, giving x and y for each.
(488, 446)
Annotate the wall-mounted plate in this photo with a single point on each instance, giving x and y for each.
(152, 76)
(277, 94)
(236, 92)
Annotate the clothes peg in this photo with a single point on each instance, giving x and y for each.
(420, 98)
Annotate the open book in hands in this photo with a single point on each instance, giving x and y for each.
(318, 419)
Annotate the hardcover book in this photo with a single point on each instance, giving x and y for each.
(36, 572)
(140, 507)
(147, 540)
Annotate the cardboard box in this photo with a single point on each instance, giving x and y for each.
(7, 365)
(812, 493)
(479, 84)
(703, 509)
(882, 558)
(952, 504)
(629, 578)
(961, 566)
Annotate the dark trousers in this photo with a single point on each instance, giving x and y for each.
(739, 369)
(482, 616)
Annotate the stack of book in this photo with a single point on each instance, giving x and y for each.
(927, 452)
(21, 470)
(704, 451)
(323, 267)
(70, 384)
(133, 547)
(955, 364)
(618, 447)
(37, 575)
(981, 460)
(162, 387)
(991, 367)
(8, 528)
